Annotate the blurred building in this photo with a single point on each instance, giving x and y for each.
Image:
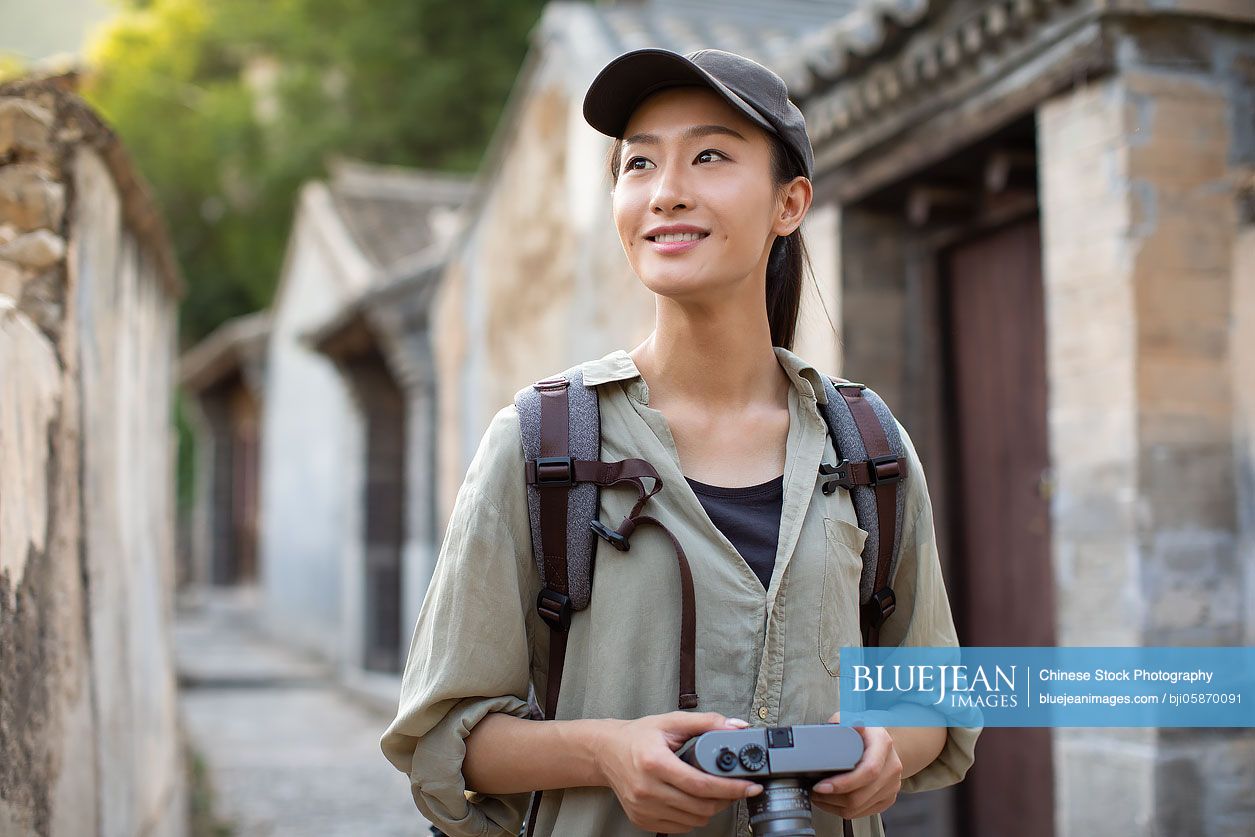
(313, 420)
(225, 378)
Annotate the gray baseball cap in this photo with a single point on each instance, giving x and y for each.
(748, 86)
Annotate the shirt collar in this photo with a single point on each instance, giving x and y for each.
(619, 366)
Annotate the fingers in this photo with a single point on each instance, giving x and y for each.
(851, 802)
(678, 801)
(871, 787)
(669, 805)
(868, 768)
(694, 782)
(845, 807)
(689, 724)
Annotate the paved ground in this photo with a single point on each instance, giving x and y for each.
(288, 752)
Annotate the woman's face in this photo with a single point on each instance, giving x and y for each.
(675, 169)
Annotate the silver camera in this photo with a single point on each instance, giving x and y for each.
(786, 761)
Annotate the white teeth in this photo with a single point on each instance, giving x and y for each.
(665, 237)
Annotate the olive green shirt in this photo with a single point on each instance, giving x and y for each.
(768, 656)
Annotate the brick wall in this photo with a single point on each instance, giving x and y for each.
(1140, 230)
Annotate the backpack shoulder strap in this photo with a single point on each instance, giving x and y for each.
(871, 463)
(560, 425)
(560, 422)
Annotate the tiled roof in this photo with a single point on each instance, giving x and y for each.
(808, 42)
(828, 53)
(229, 347)
(394, 213)
(768, 32)
(813, 44)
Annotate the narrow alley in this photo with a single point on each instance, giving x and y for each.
(288, 751)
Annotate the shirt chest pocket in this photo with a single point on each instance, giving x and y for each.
(838, 601)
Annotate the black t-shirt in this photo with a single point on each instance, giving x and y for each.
(749, 516)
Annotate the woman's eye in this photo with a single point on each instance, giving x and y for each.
(630, 164)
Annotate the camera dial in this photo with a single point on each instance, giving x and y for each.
(753, 757)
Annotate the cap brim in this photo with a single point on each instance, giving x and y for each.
(627, 80)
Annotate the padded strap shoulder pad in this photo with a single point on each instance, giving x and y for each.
(584, 497)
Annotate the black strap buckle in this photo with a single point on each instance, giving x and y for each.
(617, 540)
(880, 607)
(842, 472)
(554, 608)
(883, 470)
(554, 471)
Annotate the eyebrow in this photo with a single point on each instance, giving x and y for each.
(688, 134)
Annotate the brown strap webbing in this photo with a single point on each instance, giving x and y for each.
(555, 442)
(554, 471)
(878, 608)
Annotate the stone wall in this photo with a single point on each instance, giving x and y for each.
(88, 288)
(1146, 271)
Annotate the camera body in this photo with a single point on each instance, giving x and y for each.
(786, 761)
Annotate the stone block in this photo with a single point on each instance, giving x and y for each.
(1179, 796)
(1184, 383)
(34, 250)
(1224, 762)
(1104, 777)
(1098, 597)
(1180, 311)
(11, 280)
(1171, 162)
(43, 300)
(1190, 485)
(1175, 86)
(1191, 236)
(29, 198)
(24, 127)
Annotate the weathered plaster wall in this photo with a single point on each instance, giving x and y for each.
(88, 732)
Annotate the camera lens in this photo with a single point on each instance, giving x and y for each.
(726, 760)
(783, 809)
(753, 757)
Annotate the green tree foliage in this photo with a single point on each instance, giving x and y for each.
(229, 105)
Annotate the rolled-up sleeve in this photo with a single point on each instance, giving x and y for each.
(470, 651)
(923, 617)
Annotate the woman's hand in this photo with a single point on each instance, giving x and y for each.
(660, 792)
(871, 787)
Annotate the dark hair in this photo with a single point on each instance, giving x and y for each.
(788, 259)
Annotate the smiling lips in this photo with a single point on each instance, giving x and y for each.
(667, 243)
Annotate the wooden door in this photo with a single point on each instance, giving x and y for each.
(246, 449)
(994, 324)
(383, 407)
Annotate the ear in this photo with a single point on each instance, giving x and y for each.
(796, 200)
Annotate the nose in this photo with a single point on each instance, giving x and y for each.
(671, 186)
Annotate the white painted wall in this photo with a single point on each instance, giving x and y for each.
(311, 467)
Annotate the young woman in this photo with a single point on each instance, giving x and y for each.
(711, 171)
